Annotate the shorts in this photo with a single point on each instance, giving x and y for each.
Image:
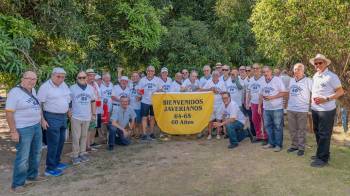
(99, 120)
(138, 116)
(216, 114)
(146, 110)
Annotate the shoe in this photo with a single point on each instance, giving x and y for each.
(76, 161)
(209, 137)
(218, 136)
(152, 136)
(84, 158)
(110, 148)
(149, 138)
(264, 142)
(314, 157)
(231, 146)
(37, 179)
(291, 149)
(53, 173)
(43, 147)
(268, 146)
(20, 190)
(143, 137)
(318, 163)
(277, 149)
(95, 145)
(62, 166)
(300, 153)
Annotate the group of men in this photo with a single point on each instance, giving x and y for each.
(248, 102)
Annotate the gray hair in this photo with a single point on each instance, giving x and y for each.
(299, 65)
(216, 73)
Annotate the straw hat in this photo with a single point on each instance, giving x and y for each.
(320, 57)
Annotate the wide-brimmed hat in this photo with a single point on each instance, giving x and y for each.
(320, 57)
(90, 71)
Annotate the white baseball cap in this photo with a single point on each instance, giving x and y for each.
(124, 78)
(58, 70)
(164, 69)
(97, 77)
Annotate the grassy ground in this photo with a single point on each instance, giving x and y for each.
(187, 166)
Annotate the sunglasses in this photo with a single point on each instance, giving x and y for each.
(224, 69)
(82, 78)
(60, 76)
(32, 79)
(319, 63)
(248, 70)
(255, 68)
(225, 97)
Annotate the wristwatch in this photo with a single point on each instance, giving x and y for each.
(327, 99)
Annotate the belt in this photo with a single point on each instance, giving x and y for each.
(55, 113)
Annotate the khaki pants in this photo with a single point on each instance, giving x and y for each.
(79, 136)
(297, 125)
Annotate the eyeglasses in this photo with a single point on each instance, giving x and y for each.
(248, 70)
(318, 63)
(184, 72)
(224, 69)
(82, 78)
(255, 68)
(225, 97)
(32, 79)
(60, 76)
(206, 70)
(242, 70)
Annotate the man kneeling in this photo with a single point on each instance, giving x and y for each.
(233, 120)
(123, 120)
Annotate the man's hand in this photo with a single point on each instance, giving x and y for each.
(69, 113)
(93, 117)
(217, 124)
(44, 124)
(14, 135)
(319, 100)
(268, 98)
(259, 110)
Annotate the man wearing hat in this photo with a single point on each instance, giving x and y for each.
(54, 96)
(165, 81)
(218, 67)
(326, 89)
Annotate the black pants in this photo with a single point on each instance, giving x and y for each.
(323, 122)
(249, 114)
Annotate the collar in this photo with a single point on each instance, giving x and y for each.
(323, 73)
(180, 83)
(268, 81)
(207, 77)
(53, 84)
(299, 79)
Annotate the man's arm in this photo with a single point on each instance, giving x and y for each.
(12, 125)
(116, 124)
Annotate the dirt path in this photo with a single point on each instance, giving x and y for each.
(186, 166)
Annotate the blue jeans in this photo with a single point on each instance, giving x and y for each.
(27, 162)
(273, 122)
(344, 119)
(235, 132)
(55, 136)
(116, 136)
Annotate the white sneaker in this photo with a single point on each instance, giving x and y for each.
(209, 137)
(268, 146)
(277, 149)
(218, 136)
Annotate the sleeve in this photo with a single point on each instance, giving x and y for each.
(234, 112)
(71, 93)
(282, 88)
(310, 83)
(114, 90)
(223, 87)
(42, 93)
(11, 101)
(93, 96)
(335, 82)
(132, 114)
(114, 115)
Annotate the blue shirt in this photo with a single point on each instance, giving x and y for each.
(123, 116)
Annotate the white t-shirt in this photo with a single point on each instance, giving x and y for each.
(56, 99)
(189, 86)
(324, 85)
(149, 86)
(106, 94)
(254, 89)
(220, 86)
(235, 93)
(175, 87)
(81, 102)
(299, 95)
(118, 92)
(134, 103)
(27, 111)
(203, 80)
(232, 111)
(165, 85)
(272, 88)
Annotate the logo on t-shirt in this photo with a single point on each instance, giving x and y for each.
(83, 98)
(166, 87)
(255, 87)
(295, 90)
(232, 89)
(34, 103)
(268, 90)
(107, 92)
(150, 86)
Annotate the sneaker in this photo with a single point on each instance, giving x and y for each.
(300, 152)
(84, 158)
(291, 149)
(37, 179)
(144, 137)
(43, 147)
(313, 157)
(231, 146)
(76, 161)
(110, 148)
(62, 166)
(53, 173)
(268, 146)
(225, 136)
(277, 149)
(209, 137)
(318, 163)
(218, 136)
(152, 136)
(20, 190)
(95, 145)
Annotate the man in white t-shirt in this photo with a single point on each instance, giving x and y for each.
(147, 86)
(233, 119)
(217, 87)
(135, 102)
(165, 81)
(326, 89)
(206, 77)
(253, 92)
(23, 114)
(235, 87)
(245, 76)
(54, 96)
(119, 90)
(298, 108)
(225, 73)
(185, 74)
(192, 83)
(106, 88)
(271, 100)
(81, 113)
(176, 85)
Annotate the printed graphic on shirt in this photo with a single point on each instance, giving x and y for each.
(295, 90)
